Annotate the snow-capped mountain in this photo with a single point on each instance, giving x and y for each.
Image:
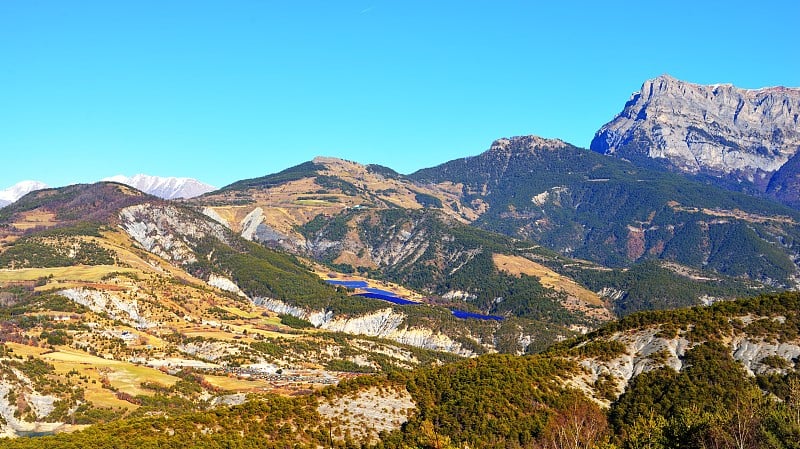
(19, 190)
(164, 187)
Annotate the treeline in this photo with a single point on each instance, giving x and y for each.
(272, 422)
(649, 285)
(304, 170)
(38, 252)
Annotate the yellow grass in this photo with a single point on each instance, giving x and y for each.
(237, 331)
(235, 384)
(313, 202)
(78, 273)
(517, 265)
(34, 218)
(25, 350)
(251, 330)
(274, 320)
(209, 333)
(124, 376)
(241, 313)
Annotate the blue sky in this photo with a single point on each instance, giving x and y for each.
(222, 91)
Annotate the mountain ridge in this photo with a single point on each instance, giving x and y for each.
(164, 187)
(563, 199)
(739, 138)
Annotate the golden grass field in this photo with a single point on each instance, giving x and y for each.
(236, 384)
(518, 265)
(80, 273)
(241, 313)
(31, 219)
(125, 376)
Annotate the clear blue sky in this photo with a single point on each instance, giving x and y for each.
(226, 90)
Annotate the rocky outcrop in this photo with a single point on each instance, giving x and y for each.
(385, 323)
(389, 324)
(212, 214)
(373, 411)
(251, 222)
(12, 424)
(118, 308)
(225, 284)
(255, 228)
(739, 136)
(317, 318)
(752, 351)
(167, 231)
(211, 351)
(645, 350)
(648, 349)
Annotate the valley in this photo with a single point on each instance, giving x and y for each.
(489, 301)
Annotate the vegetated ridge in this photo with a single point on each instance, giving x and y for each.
(611, 212)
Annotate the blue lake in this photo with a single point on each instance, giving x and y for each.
(390, 298)
(466, 315)
(385, 295)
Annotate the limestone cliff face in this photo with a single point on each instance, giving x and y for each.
(739, 136)
(167, 232)
(647, 349)
(385, 323)
(23, 409)
(117, 307)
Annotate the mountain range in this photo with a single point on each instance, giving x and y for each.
(162, 187)
(19, 190)
(489, 301)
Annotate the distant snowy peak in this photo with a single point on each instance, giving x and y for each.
(164, 187)
(19, 190)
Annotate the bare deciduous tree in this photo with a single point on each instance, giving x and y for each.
(581, 425)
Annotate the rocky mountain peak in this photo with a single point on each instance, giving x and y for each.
(525, 144)
(19, 190)
(164, 187)
(739, 135)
